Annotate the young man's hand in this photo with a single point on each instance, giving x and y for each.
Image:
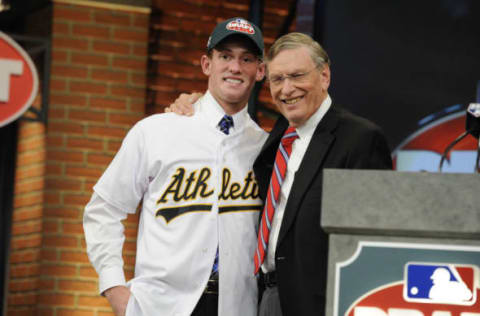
(183, 105)
(118, 297)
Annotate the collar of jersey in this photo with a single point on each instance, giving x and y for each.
(212, 112)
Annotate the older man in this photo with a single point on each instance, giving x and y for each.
(327, 136)
(312, 134)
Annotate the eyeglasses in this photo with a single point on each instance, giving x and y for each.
(297, 77)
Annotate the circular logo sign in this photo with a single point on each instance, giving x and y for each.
(423, 150)
(18, 80)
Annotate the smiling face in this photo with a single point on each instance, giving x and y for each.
(232, 69)
(298, 98)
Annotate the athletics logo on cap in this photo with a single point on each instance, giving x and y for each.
(236, 26)
(240, 25)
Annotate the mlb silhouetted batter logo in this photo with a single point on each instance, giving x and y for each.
(444, 289)
(427, 289)
(440, 284)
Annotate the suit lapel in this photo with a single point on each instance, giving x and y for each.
(271, 144)
(263, 165)
(310, 166)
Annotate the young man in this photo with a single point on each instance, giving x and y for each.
(291, 255)
(200, 203)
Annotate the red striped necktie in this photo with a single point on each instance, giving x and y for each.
(278, 175)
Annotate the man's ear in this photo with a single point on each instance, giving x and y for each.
(325, 75)
(260, 72)
(206, 63)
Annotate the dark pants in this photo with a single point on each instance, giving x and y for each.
(270, 303)
(207, 305)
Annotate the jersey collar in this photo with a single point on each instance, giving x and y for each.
(212, 112)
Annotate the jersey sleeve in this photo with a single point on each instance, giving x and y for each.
(126, 179)
(116, 194)
(104, 236)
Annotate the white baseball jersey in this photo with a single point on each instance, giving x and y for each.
(198, 192)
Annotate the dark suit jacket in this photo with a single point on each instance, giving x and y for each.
(341, 140)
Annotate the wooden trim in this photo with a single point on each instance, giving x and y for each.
(107, 5)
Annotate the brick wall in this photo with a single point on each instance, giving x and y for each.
(27, 224)
(98, 93)
(98, 76)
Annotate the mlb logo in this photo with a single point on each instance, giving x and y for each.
(433, 283)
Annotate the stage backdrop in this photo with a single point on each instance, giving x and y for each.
(405, 65)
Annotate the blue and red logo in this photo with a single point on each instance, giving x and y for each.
(440, 284)
(429, 289)
(384, 279)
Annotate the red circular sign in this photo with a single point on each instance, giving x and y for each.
(18, 80)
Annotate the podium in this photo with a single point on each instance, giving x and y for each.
(390, 231)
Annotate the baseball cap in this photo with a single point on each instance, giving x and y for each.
(236, 26)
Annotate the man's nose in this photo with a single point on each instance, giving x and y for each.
(287, 86)
(234, 65)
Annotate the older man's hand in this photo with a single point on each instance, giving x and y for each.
(183, 105)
